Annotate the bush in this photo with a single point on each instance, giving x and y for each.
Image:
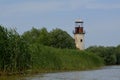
(50, 59)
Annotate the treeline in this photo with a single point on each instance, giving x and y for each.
(38, 50)
(110, 55)
(56, 38)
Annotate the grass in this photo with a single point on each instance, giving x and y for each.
(48, 59)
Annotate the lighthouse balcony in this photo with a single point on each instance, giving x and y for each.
(78, 32)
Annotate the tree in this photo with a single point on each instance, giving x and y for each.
(117, 51)
(55, 38)
(43, 37)
(61, 39)
(107, 53)
(31, 36)
(39, 36)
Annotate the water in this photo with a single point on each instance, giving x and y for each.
(106, 73)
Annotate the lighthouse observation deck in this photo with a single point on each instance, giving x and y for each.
(79, 27)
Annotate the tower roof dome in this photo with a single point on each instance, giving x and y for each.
(78, 21)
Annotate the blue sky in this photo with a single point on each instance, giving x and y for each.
(101, 17)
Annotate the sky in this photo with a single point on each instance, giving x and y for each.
(101, 17)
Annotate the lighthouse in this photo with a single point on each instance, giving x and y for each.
(79, 34)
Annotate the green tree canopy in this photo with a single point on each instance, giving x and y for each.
(61, 39)
(55, 38)
(107, 53)
(39, 36)
(117, 51)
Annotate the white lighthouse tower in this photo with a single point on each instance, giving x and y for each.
(79, 34)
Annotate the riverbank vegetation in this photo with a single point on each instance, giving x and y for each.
(52, 59)
(110, 55)
(38, 50)
(14, 53)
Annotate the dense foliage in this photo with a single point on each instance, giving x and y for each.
(110, 55)
(49, 59)
(38, 50)
(61, 39)
(56, 38)
(14, 55)
(46, 58)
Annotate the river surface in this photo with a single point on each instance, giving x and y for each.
(106, 73)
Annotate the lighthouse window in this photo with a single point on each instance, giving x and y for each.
(81, 40)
